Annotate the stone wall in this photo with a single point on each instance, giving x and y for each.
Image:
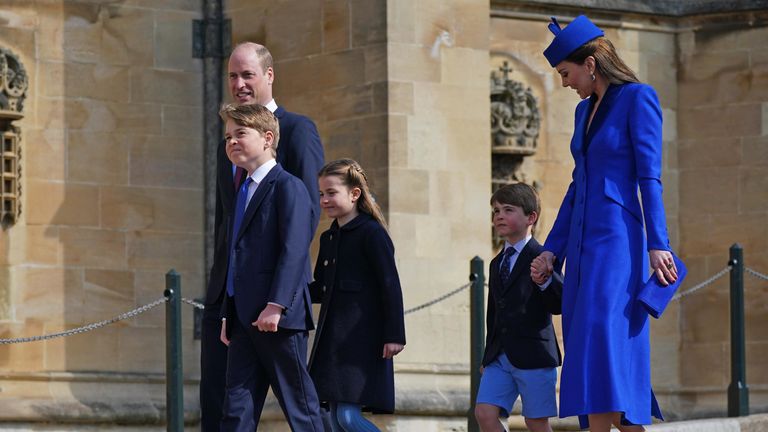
(112, 199)
(723, 163)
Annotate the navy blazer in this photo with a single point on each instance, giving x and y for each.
(299, 151)
(271, 253)
(519, 316)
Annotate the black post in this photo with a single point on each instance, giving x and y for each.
(477, 334)
(174, 390)
(738, 392)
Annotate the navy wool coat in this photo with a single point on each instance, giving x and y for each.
(362, 309)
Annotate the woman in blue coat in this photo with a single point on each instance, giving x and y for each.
(604, 235)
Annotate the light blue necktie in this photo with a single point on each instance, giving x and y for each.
(506, 268)
(242, 197)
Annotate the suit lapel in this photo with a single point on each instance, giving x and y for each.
(279, 112)
(226, 180)
(526, 256)
(602, 112)
(579, 135)
(261, 191)
(494, 279)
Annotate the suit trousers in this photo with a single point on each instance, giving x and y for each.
(213, 369)
(258, 360)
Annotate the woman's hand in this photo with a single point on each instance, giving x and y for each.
(663, 265)
(391, 350)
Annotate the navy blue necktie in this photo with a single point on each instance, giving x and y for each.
(505, 268)
(242, 197)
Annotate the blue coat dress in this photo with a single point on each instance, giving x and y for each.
(603, 235)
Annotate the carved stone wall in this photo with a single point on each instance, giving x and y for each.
(13, 90)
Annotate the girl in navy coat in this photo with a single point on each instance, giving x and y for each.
(361, 325)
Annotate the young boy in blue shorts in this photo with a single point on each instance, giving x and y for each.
(521, 352)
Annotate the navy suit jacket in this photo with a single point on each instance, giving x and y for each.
(299, 151)
(271, 253)
(519, 316)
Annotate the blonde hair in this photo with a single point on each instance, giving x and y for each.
(607, 61)
(253, 116)
(352, 176)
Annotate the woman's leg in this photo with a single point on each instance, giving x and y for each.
(351, 419)
(626, 428)
(602, 423)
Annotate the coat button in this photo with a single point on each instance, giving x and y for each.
(333, 261)
(330, 237)
(325, 263)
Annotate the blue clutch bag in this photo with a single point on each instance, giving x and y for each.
(655, 297)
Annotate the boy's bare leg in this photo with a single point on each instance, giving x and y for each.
(538, 424)
(487, 416)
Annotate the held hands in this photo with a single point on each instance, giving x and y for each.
(542, 267)
(391, 350)
(268, 318)
(663, 265)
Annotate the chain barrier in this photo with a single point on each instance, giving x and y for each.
(89, 327)
(437, 300)
(707, 282)
(197, 305)
(756, 274)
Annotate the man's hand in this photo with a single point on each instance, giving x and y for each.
(223, 335)
(268, 318)
(391, 350)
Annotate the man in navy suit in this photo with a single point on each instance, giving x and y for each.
(250, 74)
(267, 307)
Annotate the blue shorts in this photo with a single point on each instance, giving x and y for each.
(502, 383)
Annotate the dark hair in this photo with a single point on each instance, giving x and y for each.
(607, 61)
(518, 194)
(253, 116)
(352, 175)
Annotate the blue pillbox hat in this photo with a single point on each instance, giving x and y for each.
(580, 31)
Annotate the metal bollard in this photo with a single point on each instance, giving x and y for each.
(477, 334)
(738, 392)
(174, 380)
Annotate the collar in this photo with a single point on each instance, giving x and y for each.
(360, 219)
(518, 247)
(271, 106)
(262, 171)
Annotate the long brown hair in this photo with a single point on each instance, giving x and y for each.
(607, 61)
(352, 176)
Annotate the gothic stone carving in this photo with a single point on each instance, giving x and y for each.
(13, 91)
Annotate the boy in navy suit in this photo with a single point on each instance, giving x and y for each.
(267, 308)
(521, 351)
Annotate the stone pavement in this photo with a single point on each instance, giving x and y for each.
(753, 423)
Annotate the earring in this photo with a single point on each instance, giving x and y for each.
(592, 76)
